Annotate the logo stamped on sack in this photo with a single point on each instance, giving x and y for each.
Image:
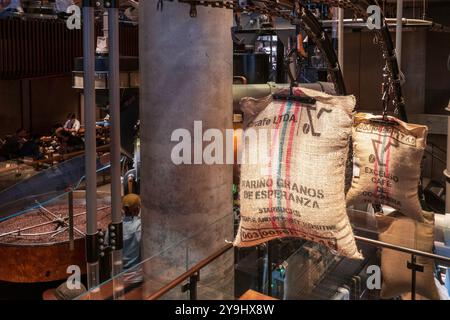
(394, 133)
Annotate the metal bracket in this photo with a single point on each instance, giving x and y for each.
(101, 243)
(414, 267)
(193, 10)
(160, 4)
(191, 286)
(116, 236)
(92, 248)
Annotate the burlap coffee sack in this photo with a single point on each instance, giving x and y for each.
(299, 192)
(386, 164)
(396, 276)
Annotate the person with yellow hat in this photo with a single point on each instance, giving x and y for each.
(131, 206)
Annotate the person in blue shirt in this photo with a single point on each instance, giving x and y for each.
(131, 206)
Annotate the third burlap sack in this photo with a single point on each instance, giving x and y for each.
(387, 160)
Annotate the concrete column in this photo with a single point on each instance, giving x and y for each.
(186, 75)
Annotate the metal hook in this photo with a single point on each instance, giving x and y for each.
(193, 11)
(160, 5)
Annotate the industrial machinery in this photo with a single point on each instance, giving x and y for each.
(298, 14)
(39, 245)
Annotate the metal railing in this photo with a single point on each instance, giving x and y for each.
(193, 274)
(411, 265)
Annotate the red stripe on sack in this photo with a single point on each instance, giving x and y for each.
(274, 143)
(376, 160)
(297, 110)
(297, 91)
(388, 158)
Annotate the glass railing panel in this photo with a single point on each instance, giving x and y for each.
(284, 269)
(146, 278)
(394, 265)
(217, 280)
(161, 269)
(217, 277)
(251, 269)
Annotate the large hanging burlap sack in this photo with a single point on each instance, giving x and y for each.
(386, 164)
(297, 190)
(405, 232)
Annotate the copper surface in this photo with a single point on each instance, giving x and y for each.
(42, 254)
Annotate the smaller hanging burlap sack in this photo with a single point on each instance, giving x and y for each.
(405, 232)
(386, 164)
(299, 190)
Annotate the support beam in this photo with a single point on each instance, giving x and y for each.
(90, 144)
(341, 39)
(115, 229)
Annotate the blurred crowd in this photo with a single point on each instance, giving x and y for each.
(63, 139)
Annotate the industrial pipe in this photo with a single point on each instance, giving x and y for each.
(115, 229)
(341, 39)
(391, 22)
(262, 90)
(398, 34)
(90, 144)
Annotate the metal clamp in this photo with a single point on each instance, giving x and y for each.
(101, 243)
(92, 248)
(414, 267)
(191, 286)
(116, 236)
(160, 4)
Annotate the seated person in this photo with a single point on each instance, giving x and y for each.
(31, 148)
(13, 8)
(106, 122)
(69, 142)
(72, 124)
(13, 144)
